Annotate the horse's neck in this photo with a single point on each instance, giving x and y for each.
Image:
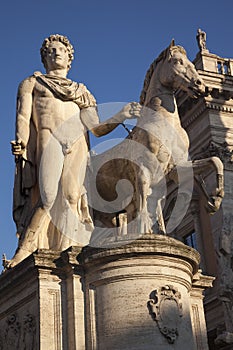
(161, 99)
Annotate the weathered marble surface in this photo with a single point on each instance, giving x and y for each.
(51, 151)
(209, 124)
(113, 298)
(155, 151)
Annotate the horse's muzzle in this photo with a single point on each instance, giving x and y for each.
(196, 89)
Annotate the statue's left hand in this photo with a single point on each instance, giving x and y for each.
(132, 110)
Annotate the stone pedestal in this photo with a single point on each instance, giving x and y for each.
(42, 303)
(142, 295)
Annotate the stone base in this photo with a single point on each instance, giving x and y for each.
(42, 303)
(146, 294)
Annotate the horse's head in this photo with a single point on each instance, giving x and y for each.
(177, 72)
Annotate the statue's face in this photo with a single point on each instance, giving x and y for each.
(57, 56)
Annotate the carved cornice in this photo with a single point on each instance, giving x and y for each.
(189, 111)
(218, 97)
(193, 116)
(146, 244)
(218, 107)
(220, 150)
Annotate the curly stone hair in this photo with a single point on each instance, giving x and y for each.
(62, 39)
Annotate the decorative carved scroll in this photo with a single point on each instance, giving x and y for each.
(166, 309)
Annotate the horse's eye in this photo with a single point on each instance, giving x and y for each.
(179, 61)
(175, 60)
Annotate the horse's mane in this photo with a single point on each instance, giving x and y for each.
(153, 65)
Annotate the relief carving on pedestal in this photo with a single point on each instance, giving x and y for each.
(166, 309)
(12, 332)
(19, 332)
(29, 331)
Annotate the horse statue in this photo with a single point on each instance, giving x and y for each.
(130, 178)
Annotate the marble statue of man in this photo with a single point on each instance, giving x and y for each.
(201, 39)
(51, 153)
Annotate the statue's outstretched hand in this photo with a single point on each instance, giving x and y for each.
(17, 148)
(132, 110)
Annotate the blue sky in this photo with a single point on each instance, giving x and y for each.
(114, 42)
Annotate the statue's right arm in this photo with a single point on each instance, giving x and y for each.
(90, 118)
(23, 116)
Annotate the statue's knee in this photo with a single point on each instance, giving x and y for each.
(72, 198)
(48, 199)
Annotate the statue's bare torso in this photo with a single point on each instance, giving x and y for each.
(52, 115)
(60, 134)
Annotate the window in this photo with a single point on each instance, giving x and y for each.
(223, 67)
(191, 240)
(220, 67)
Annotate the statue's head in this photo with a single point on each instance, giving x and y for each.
(62, 39)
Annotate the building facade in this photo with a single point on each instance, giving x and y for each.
(208, 121)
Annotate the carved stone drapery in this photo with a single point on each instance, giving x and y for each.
(166, 309)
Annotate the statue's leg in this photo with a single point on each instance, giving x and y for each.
(73, 175)
(49, 174)
(74, 222)
(50, 170)
(29, 243)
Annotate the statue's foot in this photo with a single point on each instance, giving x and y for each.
(19, 256)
